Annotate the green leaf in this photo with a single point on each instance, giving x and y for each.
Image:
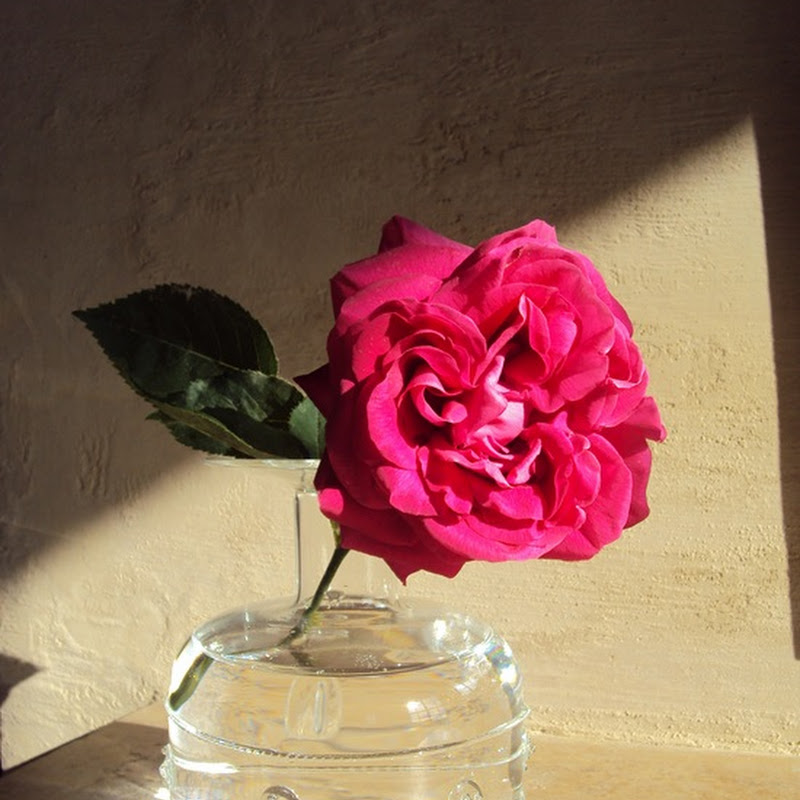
(258, 395)
(209, 369)
(256, 407)
(266, 437)
(191, 437)
(246, 412)
(161, 339)
(178, 420)
(308, 425)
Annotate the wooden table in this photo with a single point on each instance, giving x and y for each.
(120, 762)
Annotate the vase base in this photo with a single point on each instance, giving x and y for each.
(373, 702)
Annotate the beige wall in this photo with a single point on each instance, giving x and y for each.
(254, 148)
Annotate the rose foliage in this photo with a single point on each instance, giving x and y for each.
(484, 403)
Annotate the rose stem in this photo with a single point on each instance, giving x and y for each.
(203, 661)
(308, 612)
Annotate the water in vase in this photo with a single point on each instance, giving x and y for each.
(381, 697)
(375, 703)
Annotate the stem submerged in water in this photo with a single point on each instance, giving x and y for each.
(203, 661)
(308, 612)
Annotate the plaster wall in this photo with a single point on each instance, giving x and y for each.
(255, 148)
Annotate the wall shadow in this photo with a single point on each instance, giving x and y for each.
(611, 91)
(12, 671)
(776, 113)
(125, 758)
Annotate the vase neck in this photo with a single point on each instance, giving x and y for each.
(359, 575)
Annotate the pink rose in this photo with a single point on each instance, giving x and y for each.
(481, 404)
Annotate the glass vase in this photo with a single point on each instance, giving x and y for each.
(381, 697)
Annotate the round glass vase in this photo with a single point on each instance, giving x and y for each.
(379, 697)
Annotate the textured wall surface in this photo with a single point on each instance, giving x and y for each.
(256, 147)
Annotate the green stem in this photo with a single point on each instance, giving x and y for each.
(190, 681)
(308, 612)
(203, 661)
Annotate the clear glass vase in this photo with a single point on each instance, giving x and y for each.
(380, 698)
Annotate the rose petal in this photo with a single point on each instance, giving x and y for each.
(383, 423)
(357, 307)
(606, 516)
(630, 441)
(470, 538)
(406, 491)
(399, 231)
(382, 533)
(317, 385)
(407, 250)
(486, 404)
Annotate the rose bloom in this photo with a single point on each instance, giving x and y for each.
(484, 403)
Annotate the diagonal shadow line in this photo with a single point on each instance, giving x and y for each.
(777, 122)
(12, 671)
(129, 755)
(613, 92)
